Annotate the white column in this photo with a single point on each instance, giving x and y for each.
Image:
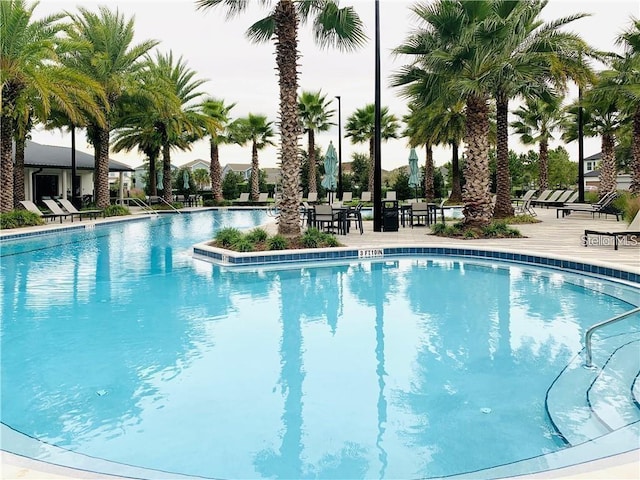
(121, 189)
(65, 182)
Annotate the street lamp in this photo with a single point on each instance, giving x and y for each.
(377, 168)
(339, 149)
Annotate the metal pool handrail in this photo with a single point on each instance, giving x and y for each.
(592, 328)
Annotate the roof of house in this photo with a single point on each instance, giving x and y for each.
(238, 167)
(595, 156)
(49, 156)
(195, 162)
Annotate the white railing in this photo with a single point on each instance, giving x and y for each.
(593, 328)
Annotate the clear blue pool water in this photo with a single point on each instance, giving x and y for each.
(117, 344)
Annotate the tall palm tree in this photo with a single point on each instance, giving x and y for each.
(106, 54)
(536, 56)
(360, 127)
(259, 131)
(178, 127)
(315, 113)
(624, 80)
(453, 53)
(333, 26)
(33, 82)
(601, 117)
(537, 119)
(218, 111)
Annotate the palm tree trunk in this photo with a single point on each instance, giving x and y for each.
(635, 159)
(255, 173)
(429, 191)
(286, 21)
(607, 166)
(18, 172)
(153, 187)
(101, 174)
(456, 184)
(313, 183)
(6, 140)
(503, 206)
(167, 193)
(215, 172)
(477, 202)
(371, 167)
(543, 165)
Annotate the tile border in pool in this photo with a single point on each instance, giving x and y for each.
(228, 258)
(55, 229)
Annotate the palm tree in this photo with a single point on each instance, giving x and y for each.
(218, 111)
(453, 53)
(601, 117)
(178, 127)
(537, 120)
(33, 82)
(360, 127)
(314, 116)
(257, 130)
(108, 56)
(536, 54)
(624, 80)
(333, 26)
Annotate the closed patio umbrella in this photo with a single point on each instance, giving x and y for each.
(414, 179)
(185, 179)
(330, 180)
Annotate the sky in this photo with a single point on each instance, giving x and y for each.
(245, 73)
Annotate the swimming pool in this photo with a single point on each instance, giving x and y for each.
(117, 344)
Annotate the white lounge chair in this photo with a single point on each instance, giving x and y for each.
(68, 206)
(33, 208)
(347, 197)
(365, 196)
(312, 197)
(633, 229)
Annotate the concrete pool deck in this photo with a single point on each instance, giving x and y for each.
(553, 236)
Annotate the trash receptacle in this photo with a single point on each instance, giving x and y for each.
(390, 215)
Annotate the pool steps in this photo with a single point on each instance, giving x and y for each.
(581, 418)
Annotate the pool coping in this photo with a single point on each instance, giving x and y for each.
(231, 259)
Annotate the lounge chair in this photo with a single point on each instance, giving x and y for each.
(263, 197)
(347, 197)
(365, 196)
(56, 210)
(556, 201)
(68, 206)
(543, 196)
(632, 230)
(391, 195)
(524, 208)
(243, 198)
(33, 208)
(602, 206)
(312, 197)
(552, 197)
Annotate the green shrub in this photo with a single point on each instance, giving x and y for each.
(116, 211)
(470, 234)
(331, 241)
(628, 204)
(439, 228)
(228, 236)
(243, 244)
(499, 229)
(277, 242)
(312, 238)
(19, 218)
(258, 235)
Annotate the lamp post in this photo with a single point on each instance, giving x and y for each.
(377, 169)
(339, 149)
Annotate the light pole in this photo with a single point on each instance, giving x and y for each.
(377, 168)
(339, 149)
